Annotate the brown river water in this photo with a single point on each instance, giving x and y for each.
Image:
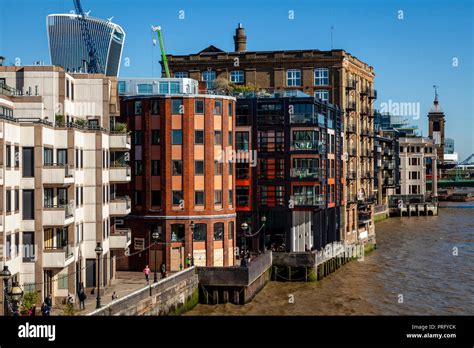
(412, 272)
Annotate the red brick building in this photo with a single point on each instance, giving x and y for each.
(180, 187)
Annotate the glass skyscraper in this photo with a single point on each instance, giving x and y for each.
(68, 49)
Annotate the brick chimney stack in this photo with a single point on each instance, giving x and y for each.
(240, 39)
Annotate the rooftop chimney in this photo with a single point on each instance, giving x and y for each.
(240, 39)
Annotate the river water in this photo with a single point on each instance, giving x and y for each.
(414, 270)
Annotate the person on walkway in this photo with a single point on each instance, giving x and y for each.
(82, 298)
(45, 310)
(147, 274)
(49, 302)
(163, 270)
(188, 261)
(114, 296)
(70, 300)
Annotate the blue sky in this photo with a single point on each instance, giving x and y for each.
(409, 55)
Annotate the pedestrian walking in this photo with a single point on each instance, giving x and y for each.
(70, 300)
(188, 260)
(163, 270)
(147, 273)
(49, 302)
(114, 296)
(45, 310)
(82, 298)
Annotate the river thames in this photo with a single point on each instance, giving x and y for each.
(422, 265)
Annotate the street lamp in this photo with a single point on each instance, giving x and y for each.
(244, 227)
(155, 236)
(5, 274)
(2, 59)
(264, 220)
(192, 226)
(15, 294)
(98, 250)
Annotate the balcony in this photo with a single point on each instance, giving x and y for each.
(120, 206)
(303, 119)
(243, 200)
(388, 152)
(365, 153)
(308, 145)
(373, 94)
(308, 200)
(351, 106)
(351, 174)
(352, 151)
(305, 173)
(367, 132)
(351, 84)
(58, 174)
(120, 238)
(389, 182)
(119, 141)
(58, 257)
(119, 173)
(351, 128)
(365, 110)
(389, 165)
(61, 215)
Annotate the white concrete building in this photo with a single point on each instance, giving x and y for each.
(415, 154)
(61, 170)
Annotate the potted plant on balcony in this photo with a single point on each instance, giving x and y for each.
(80, 122)
(120, 127)
(59, 118)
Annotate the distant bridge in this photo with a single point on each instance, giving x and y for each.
(442, 184)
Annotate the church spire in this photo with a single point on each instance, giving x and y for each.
(435, 102)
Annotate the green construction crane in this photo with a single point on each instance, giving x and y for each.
(157, 29)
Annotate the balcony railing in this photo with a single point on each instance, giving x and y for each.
(242, 200)
(308, 145)
(304, 173)
(389, 165)
(351, 128)
(351, 174)
(308, 200)
(352, 151)
(351, 105)
(58, 256)
(373, 94)
(304, 118)
(388, 152)
(9, 91)
(351, 84)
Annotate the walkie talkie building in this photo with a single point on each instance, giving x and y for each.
(68, 49)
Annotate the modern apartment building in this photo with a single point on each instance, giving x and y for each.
(386, 156)
(183, 187)
(67, 47)
(334, 76)
(294, 175)
(417, 154)
(57, 187)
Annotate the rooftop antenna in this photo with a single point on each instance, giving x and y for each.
(332, 29)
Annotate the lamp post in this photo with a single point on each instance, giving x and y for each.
(2, 59)
(15, 294)
(98, 250)
(5, 274)
(264, 220)
(155, 236)
(244, 227)
(192, 226)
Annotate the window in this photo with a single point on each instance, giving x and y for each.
(218, 231)
(138, 107)
(138, 167)
(199, 106)
(199, 167)
(199, 137)
(155, 168)
(138, 137)
(8, 247)
(177, 232)
(177, 167)
(17, 157)
(17, 200)
(321, 77)
(8, 156)
(28, 246)
(217, 137)
(174, 87)
(231, 109)
(217, 197)
(61, 155)
(242, 140)
(63, 281)
(28, 205)
(231, 197)
(121, 87)
(208, 76)
(231, 230)
(62, 197)
(237, 76)
(145, 88)
(138, 197)
(200, 232)
(322, 94)
(230, 138)
(230, 168)
(181, 74)
(48, 156)
(199, 197)
(177, 197)
(217, 168)
(28, 162)
(8, 202)
(164, 87)
(156, 198)
(155, 107)
(177, 137)
(217, 107)
(155, 137)
(176, 106)
(293, 77)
